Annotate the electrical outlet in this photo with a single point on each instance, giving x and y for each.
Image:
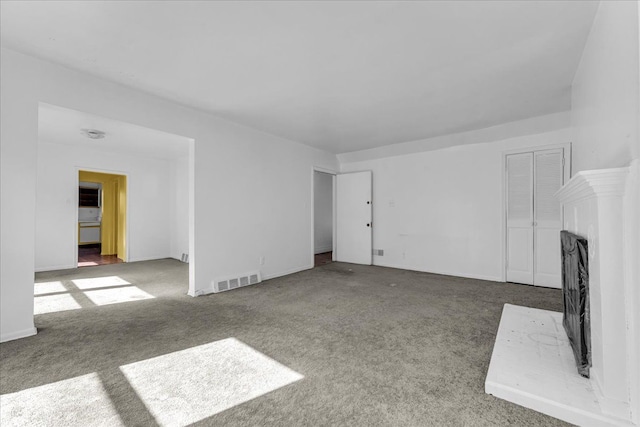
(261, 260)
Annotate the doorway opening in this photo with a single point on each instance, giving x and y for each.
(323, 214)
(102, 218)
(152, 171)
(341, 213)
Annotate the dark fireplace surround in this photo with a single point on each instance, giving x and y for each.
(575, 290)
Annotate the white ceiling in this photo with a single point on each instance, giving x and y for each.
(63, 126)
(340, 76)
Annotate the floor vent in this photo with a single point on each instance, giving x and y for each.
(229, 283)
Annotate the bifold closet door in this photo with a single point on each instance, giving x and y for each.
(353, 218)
(549, 174)
(519, 176)
(534, 217)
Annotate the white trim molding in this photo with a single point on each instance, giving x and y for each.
(594, 183)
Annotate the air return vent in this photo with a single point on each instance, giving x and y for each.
(228, 283)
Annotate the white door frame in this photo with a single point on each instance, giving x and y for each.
(126, 230)
(332, 172)
(567, 174)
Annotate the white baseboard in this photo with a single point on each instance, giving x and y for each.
(18, 334)
(55, 268)
(67, 266)
(200, 292)
(209, 289)
(286, 273)
(148, 258)
(442, 272)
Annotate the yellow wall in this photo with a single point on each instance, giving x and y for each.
(114, 210)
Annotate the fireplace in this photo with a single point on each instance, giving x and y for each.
(599, 206)
(575, 292)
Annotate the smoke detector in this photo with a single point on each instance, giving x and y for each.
(92, 133)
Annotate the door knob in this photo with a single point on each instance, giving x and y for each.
(368, 224)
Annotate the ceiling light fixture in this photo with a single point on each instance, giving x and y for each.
(92, 133)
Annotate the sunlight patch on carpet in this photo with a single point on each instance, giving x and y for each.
(186, 386)
(79, 401)
(117, 295)
(54, 303)
(48, 288)
(99, 282)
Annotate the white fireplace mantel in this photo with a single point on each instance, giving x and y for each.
(594, 183)
(593, 208)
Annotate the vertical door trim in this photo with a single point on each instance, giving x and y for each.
(566, 172)
(332, 172)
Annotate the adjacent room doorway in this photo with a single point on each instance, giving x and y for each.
(342, 217)
(533, 214)
(323, 231)
(102, 218)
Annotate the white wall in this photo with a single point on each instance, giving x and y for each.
(149, 203)
(606, 121)
(442, 211)
(252, 191)
(604, 95)
(180, 207)
(323, 212)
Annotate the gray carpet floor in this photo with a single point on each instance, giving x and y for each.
(377, 346)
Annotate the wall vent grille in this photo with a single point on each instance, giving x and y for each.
(229, 283)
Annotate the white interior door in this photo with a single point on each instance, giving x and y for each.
(520, 218)
(549, 174)
(353, 218)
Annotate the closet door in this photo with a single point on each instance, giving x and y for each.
(548, 178)
(519, 177)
